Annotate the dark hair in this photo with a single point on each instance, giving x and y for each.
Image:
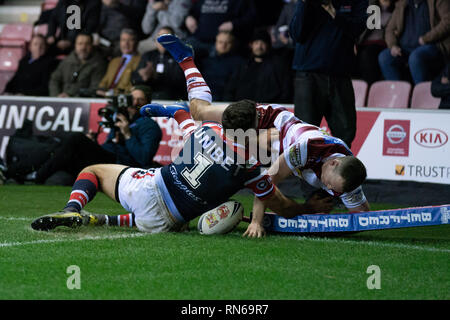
(130, 32)
(146, 90)
(40, 36)
(85, 34)
(261, 34)
(240, 115)
(353, 171)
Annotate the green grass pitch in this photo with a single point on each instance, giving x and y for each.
(118, 263)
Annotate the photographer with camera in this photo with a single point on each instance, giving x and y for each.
(325, 33)
(132, 141)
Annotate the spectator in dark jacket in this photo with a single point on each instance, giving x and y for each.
(207, 17)
(219, 65)
(440, 87)
(62, 41)
(133, 142)
(264, 78)
(33, 74)
(161, 72)
(80, 72)
(418, 39)
(325, 34)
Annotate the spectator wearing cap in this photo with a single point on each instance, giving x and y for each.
(418, 40)
(263, 78)
(32, 76)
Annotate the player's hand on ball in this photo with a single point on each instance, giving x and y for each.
(254, 230)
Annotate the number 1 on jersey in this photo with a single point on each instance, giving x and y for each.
(202, 163)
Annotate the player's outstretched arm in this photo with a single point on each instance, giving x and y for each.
(255, 229)
(288, 208)
(279, 170)
(284, 207)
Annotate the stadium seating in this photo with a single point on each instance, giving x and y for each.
(48, 4)
(16, 32)
(389, 94)
(5, 76)
(422, 98)
(9, 58)
(16, 35)
(360, 87)
(9, 62)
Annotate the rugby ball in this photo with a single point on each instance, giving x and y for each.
(222, 219)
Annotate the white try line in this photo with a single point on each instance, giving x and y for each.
(376, 244)
(16, 218)
(112, 237)
(135, 235)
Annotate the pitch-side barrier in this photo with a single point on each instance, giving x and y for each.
(360, 221)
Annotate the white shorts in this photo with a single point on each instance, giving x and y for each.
(137, 193)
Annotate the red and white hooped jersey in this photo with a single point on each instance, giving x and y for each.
(306, 147)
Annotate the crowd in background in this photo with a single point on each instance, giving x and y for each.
(304, 52)
(242, 47)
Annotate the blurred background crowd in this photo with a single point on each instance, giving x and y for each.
(243, 48)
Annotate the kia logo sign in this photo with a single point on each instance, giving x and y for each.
(396, 134)
(431, 138)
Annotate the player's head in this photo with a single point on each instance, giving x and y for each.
(343, 174)
(240, 115)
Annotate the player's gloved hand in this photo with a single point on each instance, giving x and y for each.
(318, 203)
(254, 230)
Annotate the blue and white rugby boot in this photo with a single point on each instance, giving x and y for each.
(179, 50)
(159, 110)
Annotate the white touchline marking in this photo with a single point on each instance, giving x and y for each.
(375, 243)
(112, 237)
(16, 218)
(134, 235)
